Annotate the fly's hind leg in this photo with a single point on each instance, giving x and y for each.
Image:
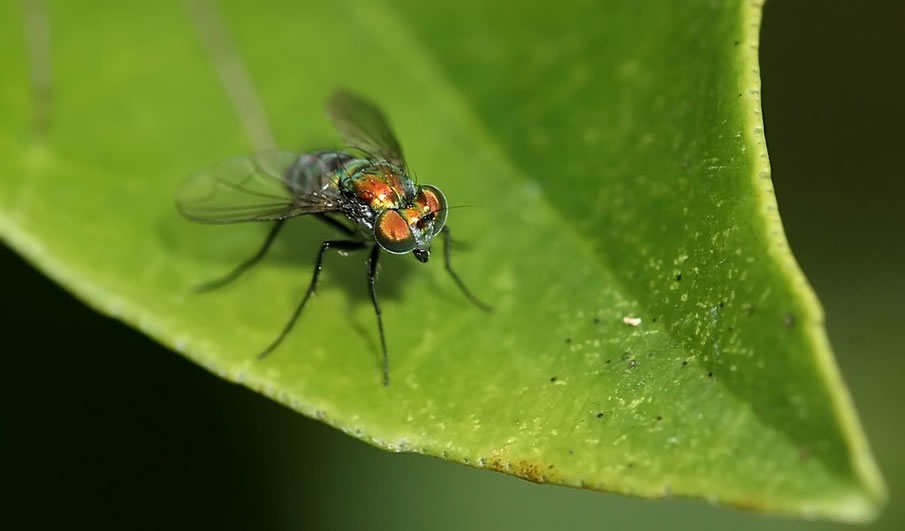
(339, 245)
(241, 268)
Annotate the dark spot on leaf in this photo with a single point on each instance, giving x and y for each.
(788, 320)
(549, 467)
(597, 320)
(629, 464)
(659, 418)
(568, 340)
(553, 378)
(607, 361)
(654, 320)
(684, 362)
(679, 277)
(600, 415)
(735, 43)
(571, 452)
(626, 355)
(710, 374)
(722, 303)
(528, 470)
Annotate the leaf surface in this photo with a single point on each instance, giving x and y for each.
(652, 334)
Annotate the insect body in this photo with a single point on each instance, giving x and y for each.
(368, 187)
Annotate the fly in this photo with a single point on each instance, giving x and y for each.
(364, 193)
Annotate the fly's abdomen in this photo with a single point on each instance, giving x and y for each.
(320, 172)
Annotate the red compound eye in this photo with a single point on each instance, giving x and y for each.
(436, 202)
(393, 233)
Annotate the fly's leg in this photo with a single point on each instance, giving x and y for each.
(241, 268)
(446, 252)
(339, 245)
(457, 244)
(372, 286)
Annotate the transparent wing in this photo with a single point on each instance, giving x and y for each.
(363, 126)
(250, 188)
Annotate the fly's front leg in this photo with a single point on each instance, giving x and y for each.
(372, 286)
(241, 268)
(446, 260)
(339, 245)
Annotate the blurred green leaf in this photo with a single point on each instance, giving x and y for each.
(617, 157)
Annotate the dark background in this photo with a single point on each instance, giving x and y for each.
(101, 426)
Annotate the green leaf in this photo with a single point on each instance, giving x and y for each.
(617, 158)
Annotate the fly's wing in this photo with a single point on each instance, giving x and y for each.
(363, 126)
(251, 188)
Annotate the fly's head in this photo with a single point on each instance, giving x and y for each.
(412, 229)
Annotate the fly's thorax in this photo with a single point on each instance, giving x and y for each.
(414, 226)
(381, 186)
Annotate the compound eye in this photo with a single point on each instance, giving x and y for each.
(393, 233)
(435, 201)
